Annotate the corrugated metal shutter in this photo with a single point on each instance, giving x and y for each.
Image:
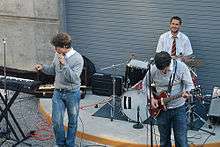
(109, 31)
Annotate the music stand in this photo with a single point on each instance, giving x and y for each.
(4, 112)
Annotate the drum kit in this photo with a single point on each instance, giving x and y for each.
(131, 100)
(134, 101)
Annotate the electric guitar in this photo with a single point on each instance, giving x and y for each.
(163, 98)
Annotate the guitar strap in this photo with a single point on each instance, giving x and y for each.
(172, 77)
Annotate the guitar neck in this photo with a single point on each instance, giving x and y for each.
(168, 99)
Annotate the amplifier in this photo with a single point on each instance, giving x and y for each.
(102, 84)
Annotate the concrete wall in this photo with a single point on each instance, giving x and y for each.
(27, 26)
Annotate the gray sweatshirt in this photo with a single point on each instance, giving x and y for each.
(67, 76)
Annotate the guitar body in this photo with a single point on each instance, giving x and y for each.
(163, 98)
(154, 112)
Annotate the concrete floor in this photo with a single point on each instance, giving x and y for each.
(26, 111)
(121, 133)
(95, 131)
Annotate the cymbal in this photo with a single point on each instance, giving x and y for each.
(194, 62)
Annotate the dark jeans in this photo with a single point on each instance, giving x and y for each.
(69, 100)
(176, 119)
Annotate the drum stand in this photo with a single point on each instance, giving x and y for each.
(195, 119)
(112, 103)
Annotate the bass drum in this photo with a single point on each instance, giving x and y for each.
(132, 102)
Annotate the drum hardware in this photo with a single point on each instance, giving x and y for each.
(194, 120)
(134, 105)
(113, 102)
(135, 71)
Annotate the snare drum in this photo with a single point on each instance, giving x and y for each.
(133, 100)
(135, 71)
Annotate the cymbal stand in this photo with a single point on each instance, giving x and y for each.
(113, 104)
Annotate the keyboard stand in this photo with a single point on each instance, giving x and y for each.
(5, 112)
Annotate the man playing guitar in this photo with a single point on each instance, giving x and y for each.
(173, 77)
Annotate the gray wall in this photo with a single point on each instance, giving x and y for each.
(109, 31)
(28, 26)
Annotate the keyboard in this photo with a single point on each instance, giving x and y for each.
(19, 84)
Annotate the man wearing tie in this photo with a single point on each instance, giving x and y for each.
(67, 66)
(175, 42)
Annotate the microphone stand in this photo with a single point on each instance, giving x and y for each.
(150, 92)
(150, 119)
(138, 125)
(5, 87)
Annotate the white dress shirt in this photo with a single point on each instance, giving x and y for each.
(183, 45)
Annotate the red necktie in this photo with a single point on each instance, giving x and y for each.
(173, 51)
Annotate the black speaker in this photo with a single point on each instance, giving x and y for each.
(102, 84)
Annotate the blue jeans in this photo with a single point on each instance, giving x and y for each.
(61, 100)
(175, 118)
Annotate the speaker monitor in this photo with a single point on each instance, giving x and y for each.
(214, 107)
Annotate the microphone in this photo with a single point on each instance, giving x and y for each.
(59, 57)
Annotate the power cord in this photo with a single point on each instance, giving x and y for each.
(43, 131)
